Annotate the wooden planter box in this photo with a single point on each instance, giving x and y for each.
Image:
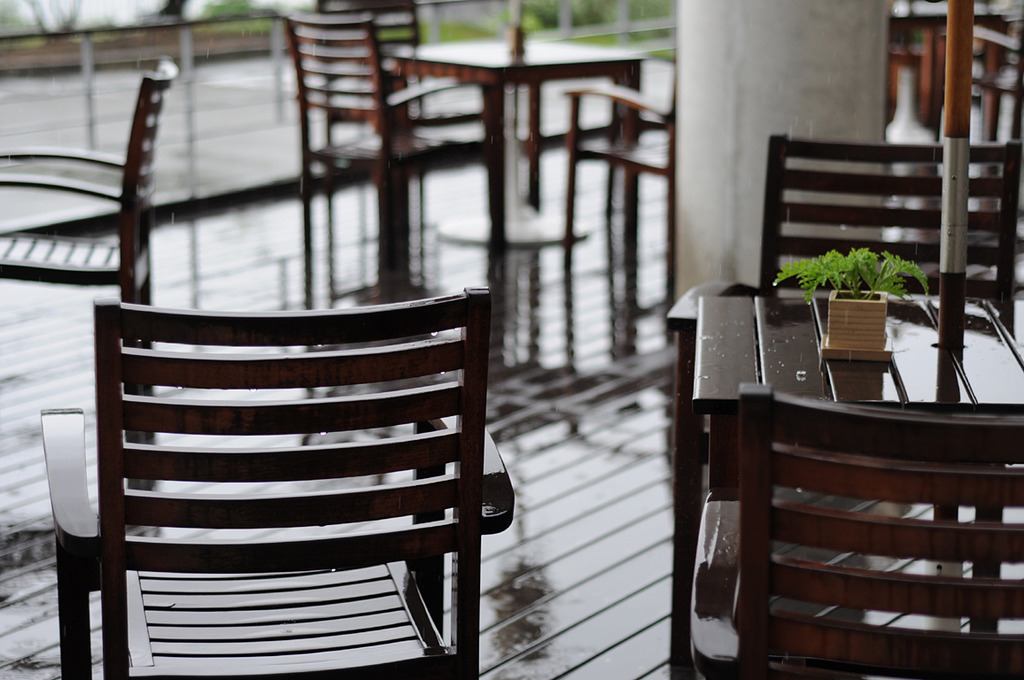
(856, 329)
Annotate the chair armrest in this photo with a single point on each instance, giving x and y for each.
(499, 496)
(423, 89)
(996, 38)
(714, 639)
(57, 153)
(683, 314)
(623, 95)
(75, 520)
(59, 183)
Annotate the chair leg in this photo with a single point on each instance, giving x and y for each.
(329, 195)
(572, 146)
(306, 194)
(671, 240)
(630, 200)
(75, 578)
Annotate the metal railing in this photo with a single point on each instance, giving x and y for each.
(76, 88)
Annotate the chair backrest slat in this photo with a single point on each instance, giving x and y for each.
(350, 367)
(923, 649)
(278, 464)
(291, 509)
(856, 588)
(825, 195)
(878, 542)
(326, 415)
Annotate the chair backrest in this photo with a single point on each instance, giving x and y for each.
(396, 21)
(1002, 72)
(823, 195)
(137, 216)
(871, 541)
(338, 70)
(292, 441)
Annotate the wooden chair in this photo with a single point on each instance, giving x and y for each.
(303, 474)
(822, 195)
(998, 73)
(338, 65)
(1001, 75)
(641, 139)
(866, 542)
(39, 255)
(398, 28)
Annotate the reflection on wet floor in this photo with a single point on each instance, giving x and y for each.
(580, 386)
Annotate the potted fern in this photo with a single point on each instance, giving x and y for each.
(861, 282)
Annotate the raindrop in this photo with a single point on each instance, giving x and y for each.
(801, 376)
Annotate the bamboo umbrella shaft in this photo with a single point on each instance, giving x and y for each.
(959, 54)
(956, 156)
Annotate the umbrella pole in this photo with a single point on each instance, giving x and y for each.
(956, 156)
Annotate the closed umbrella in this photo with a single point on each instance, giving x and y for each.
(956, 154)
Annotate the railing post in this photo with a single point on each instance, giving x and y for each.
(89, 78)
(187, 72)
(622, 22)
(565, 19)
(433, 19)
(277, 55)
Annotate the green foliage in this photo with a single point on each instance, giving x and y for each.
(223, 8)
(543, 14)
(861, 273)
(10, 17)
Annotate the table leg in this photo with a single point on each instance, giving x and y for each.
(494, 161)
(686, 492)
(723, 449)
(533, 144)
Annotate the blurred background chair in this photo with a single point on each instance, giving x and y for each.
(640, 140)
(306, 475)
(47, 255)
(822, 195)
(353, 118)
(862, 543)
(398, 27)
(1001, 76)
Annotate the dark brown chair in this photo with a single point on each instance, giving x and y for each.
(398, 28)
(641, 140)
(397, 21)
(998, 73)
(301, 479)
(866, 543)
(344, 92)
(1001, 75)
(822, 195)
(40, 255)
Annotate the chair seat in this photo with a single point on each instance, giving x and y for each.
(649, 154)
(336, 618)
(404, 145)
(37, 257)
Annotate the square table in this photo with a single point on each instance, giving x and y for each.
(491, 64)
(776, 341)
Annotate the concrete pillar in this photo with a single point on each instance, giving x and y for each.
(750, 68)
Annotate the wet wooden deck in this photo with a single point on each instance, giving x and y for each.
(579, 403)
